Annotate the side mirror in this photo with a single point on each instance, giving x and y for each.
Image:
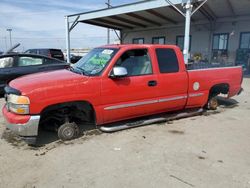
(118, 72)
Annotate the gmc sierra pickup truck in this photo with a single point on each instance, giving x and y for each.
(110, 84)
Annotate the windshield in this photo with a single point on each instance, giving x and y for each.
(95, 61)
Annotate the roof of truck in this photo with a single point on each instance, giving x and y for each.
(137, 45)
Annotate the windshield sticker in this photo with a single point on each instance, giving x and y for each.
(107, 52)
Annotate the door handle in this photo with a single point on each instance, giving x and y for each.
(152, 83)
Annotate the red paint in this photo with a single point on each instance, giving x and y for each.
(45, 89)
(14, 118)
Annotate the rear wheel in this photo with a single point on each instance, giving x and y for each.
(68, 131)
(212, 103)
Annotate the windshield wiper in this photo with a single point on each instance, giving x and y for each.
(75, 70)
(82, 70)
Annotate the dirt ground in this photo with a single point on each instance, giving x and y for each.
(211, 150)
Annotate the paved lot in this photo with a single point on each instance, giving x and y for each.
(204, 151)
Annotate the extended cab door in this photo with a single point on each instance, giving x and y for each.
(172, 78)
(134, 95)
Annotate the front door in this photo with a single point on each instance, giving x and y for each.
(131, 96)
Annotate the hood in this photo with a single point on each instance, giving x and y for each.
(43, 82)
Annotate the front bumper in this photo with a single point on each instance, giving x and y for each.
(24, 126)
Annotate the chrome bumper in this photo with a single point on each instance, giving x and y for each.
(27, 129)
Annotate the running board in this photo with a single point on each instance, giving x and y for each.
(138, 123)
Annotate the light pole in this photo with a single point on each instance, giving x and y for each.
(5, 40)
(10, 36)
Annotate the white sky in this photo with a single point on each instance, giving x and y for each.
(40, 23)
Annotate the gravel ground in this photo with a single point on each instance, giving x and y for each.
(211, 150)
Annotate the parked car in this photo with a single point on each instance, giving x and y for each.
(110, 84)
(49, 52)
(15, 65)
(74, 58)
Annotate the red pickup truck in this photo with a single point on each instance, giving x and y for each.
(110, 84)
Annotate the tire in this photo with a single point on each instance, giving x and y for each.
(68, 131)
(212, 103)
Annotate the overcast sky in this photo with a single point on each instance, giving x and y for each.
(40, 23)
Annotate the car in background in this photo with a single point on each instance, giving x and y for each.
(74, 58)
(16, 65)
(49, 52)
(1, 53)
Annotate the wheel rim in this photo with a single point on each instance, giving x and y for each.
(213, 103)
(68, 132)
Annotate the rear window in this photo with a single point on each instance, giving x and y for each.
(167, 60)
(56, 53)
(43, 52)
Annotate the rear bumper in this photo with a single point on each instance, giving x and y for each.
(25, 126)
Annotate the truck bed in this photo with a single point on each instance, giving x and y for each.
(202, 80)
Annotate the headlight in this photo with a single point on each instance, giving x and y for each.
(18, 104)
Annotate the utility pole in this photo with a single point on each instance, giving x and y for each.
(9, 30)
(5, 40)
(108, 30)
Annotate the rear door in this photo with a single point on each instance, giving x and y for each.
(173, 79)
(134, 95)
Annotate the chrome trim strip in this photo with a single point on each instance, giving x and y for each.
(196, 94)
(172, 99)
(130, 105)
(144, 103)
(215, 68)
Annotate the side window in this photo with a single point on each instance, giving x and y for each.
(158, 40)
(138, 41)
(6, 62)
(28, 61)
(220, 41)
(167, 60)
(31, 51)
(43, 52)
(180, 42)
(137, 62)
(51, 61)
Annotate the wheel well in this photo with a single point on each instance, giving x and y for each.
(219, 89)
(77, 111)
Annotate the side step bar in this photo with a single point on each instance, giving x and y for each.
(163, 118)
